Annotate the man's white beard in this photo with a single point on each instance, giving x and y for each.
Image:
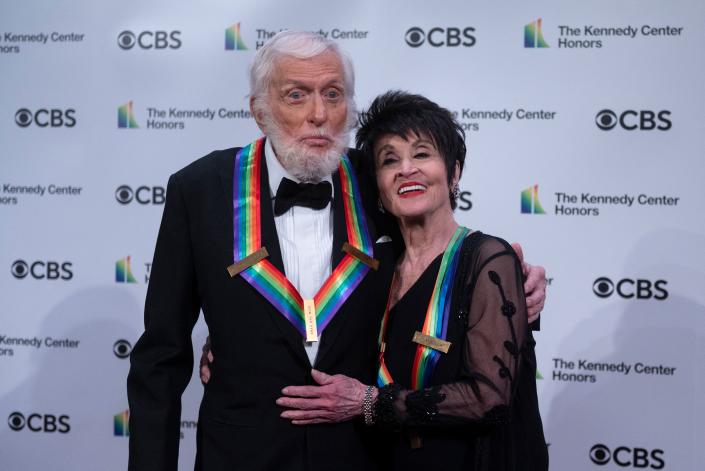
(299, 160)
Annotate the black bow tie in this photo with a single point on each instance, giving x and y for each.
(309, 195)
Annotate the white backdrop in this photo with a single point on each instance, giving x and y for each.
(621, 359)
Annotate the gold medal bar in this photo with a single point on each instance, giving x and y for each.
(310, 320)
(415, 441)
(431, 342)
(362, 256)
(248, 261)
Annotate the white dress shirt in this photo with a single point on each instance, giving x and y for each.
(305, 238)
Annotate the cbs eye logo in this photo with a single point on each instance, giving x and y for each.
(42, 270)
(124, 194)
(126, 40)
(627, 457)
(438, 37)
(629, 288)
(16, 421)
(606, 119)
(415, 37)
(603, 287)
(39, 422)
(46, 117)
(600, 454)
(20, 269)
(122, 348)
(23, 117)
(632, 120)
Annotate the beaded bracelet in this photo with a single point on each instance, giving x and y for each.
(367, 409)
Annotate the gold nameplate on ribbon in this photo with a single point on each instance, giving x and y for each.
(310, 320)
(415, 441)
(248, 261)
(362, 256)
(431, 342)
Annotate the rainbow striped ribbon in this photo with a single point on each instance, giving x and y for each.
(436, 321)
(264, 276)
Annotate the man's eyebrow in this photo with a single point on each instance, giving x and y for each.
(293, 83)
(303, 84)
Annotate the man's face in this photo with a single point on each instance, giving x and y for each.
(307, 102)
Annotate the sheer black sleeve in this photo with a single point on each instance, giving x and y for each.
(496, 334)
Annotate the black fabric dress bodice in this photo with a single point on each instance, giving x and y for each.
(480, 410)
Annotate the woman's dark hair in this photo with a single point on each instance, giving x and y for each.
(400, 113)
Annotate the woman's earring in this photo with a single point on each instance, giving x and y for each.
(379, 206)
(455, 192)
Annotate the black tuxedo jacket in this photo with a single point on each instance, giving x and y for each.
(257, 351)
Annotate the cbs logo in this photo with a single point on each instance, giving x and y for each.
(627, 457)
(143, 194)
(632, 120)
(40, 270)
(629, 288)
(122, 348)
(44, 117)
(438, 37)
(39, 422)
(149, 40)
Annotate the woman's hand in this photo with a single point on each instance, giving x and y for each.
(336, 399)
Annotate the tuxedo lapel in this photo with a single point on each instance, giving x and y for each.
(270, 241)
(340, 229)
(340, 236)
(225, 174)
(269, 230)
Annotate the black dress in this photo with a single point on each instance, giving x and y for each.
(481, 410)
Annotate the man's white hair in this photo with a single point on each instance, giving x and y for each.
(301, 45)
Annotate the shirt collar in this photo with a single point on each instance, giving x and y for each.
(276, 171)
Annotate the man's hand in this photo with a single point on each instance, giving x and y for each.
(336, 399)
(534, 287)
(206, 360)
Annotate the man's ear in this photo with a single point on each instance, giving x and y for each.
(257, 114)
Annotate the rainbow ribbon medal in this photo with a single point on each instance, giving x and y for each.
(263, 275)
(436, 322)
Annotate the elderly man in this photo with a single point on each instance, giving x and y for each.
(272, 242)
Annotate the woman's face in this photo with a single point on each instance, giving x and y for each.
(411, 176)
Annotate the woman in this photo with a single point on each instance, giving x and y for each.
(456, 386)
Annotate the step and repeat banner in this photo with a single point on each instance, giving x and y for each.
(586, 138)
